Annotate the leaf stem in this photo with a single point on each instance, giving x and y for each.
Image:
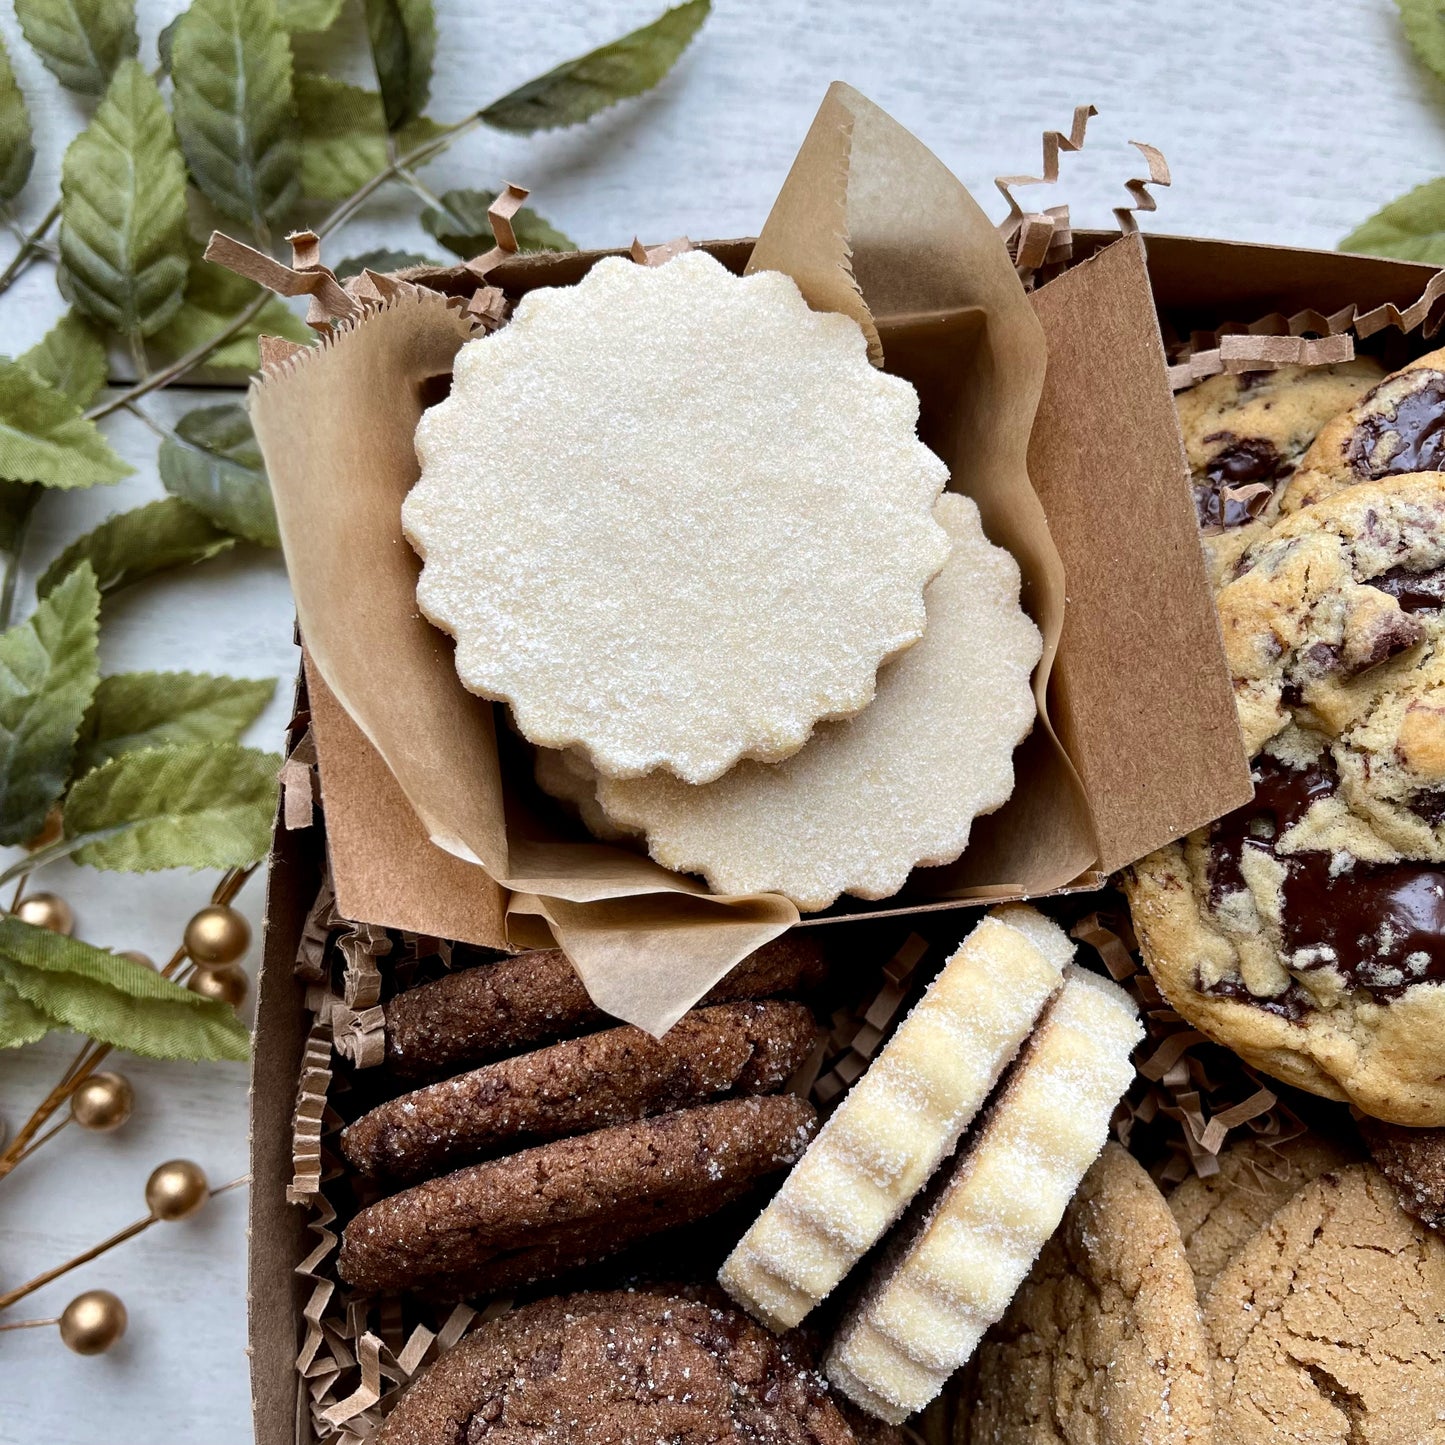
(30, 247)
(424, 193)
(12, 566)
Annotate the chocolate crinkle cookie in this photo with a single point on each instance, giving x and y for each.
(619, 1367)
(1413, 1160)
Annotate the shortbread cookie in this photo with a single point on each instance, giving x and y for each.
(1219, 1214)
(871, 798)
(569, 778)
(1328, 1327)
(1274, 938)
(1244, 433)
(1413, 1160)
(674, 517)
(1397, 426)
(618, 1367)
(1325, 596)
(958, 1263)
(543, 1212)
(582, 1084)
(1104, 1344)
(901, 1119)
(478, 1014)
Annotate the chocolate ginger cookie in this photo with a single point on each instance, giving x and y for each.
(1104, 1343)
(479, 1014)
(1413, 1160)
(1328, 1327)
(546, 1210)
(619, 1368)
(582, 1084)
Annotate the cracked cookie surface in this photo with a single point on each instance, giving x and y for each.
(1328, 1328)
(1104, 1344)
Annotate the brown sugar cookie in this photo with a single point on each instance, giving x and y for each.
(483, 1013)
(619, 1368)
(1104, 1344)
(1217, 1215)
(582, 1084)
(538, 1213)
(1413, 1160)
(1328, 1327)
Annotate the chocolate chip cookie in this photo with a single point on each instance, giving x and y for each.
(1328, 1327)
(1244, 434)
(479, 1014)
(1397, 426)
(542, 1212)
(619, 1367)
(582, 1084)
(1413, 1160)
(1104, 1344)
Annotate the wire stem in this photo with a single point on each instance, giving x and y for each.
(30, 248)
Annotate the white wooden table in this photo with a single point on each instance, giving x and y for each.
(1279, 128)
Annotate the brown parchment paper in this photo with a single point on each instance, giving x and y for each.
(870, 223)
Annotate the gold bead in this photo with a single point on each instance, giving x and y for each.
(51, 830)
(92, 1322)
(226, 985)
(47, 910)
(103, 1102)
(176, 1189)
(136, 956)
(216, 936)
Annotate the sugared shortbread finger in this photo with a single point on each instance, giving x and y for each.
(954, 1272)
(901, 1119)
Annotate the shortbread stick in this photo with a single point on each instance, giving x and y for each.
(901, 1119)
(954, 1271)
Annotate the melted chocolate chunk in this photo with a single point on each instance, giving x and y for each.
(1419, 427)
(1429, 806)
(1414, 591)
(1380, 926)
(1244, 460)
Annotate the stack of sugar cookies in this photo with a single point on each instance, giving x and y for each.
(684, 529)
(966, 1206)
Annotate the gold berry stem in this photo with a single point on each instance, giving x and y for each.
(29, 1324)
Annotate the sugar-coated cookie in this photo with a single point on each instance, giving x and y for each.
(674, 517)
(1413, 1160)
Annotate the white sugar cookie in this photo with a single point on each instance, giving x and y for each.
(901, 1119)
(571, 779)
(874, 796)
(674, 517)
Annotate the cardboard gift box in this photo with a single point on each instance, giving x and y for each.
(1053, 409)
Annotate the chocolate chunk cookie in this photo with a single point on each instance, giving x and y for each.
(582, 1084)
(1397, 426)
(539, 1213)
(619, 1368)
(1218, 1215)
(1413, 1160)
(1244, 434)
(483, 1013)
(1328, 1328)
(1104, 1344)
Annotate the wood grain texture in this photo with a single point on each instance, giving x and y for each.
(1256, 108)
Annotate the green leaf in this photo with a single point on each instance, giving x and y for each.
(206, 805)
(45, 438)
(166, 42)
(123, 210)
(48, 673)
(1424, 25)
(381, 260)
(308, 17)
(17, 500)
(465, 229)
(1411, 228)
(82, 42)
(136, 710)
(115, 1000)
(71, 358)
(17, 147)
(213, 297)
(343, 136)
(403, 36)
(234, 109)
(215, 465)
(20, 1021)
(579, 88)
(133, 545)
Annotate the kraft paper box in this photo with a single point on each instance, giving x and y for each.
(1062, 393)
